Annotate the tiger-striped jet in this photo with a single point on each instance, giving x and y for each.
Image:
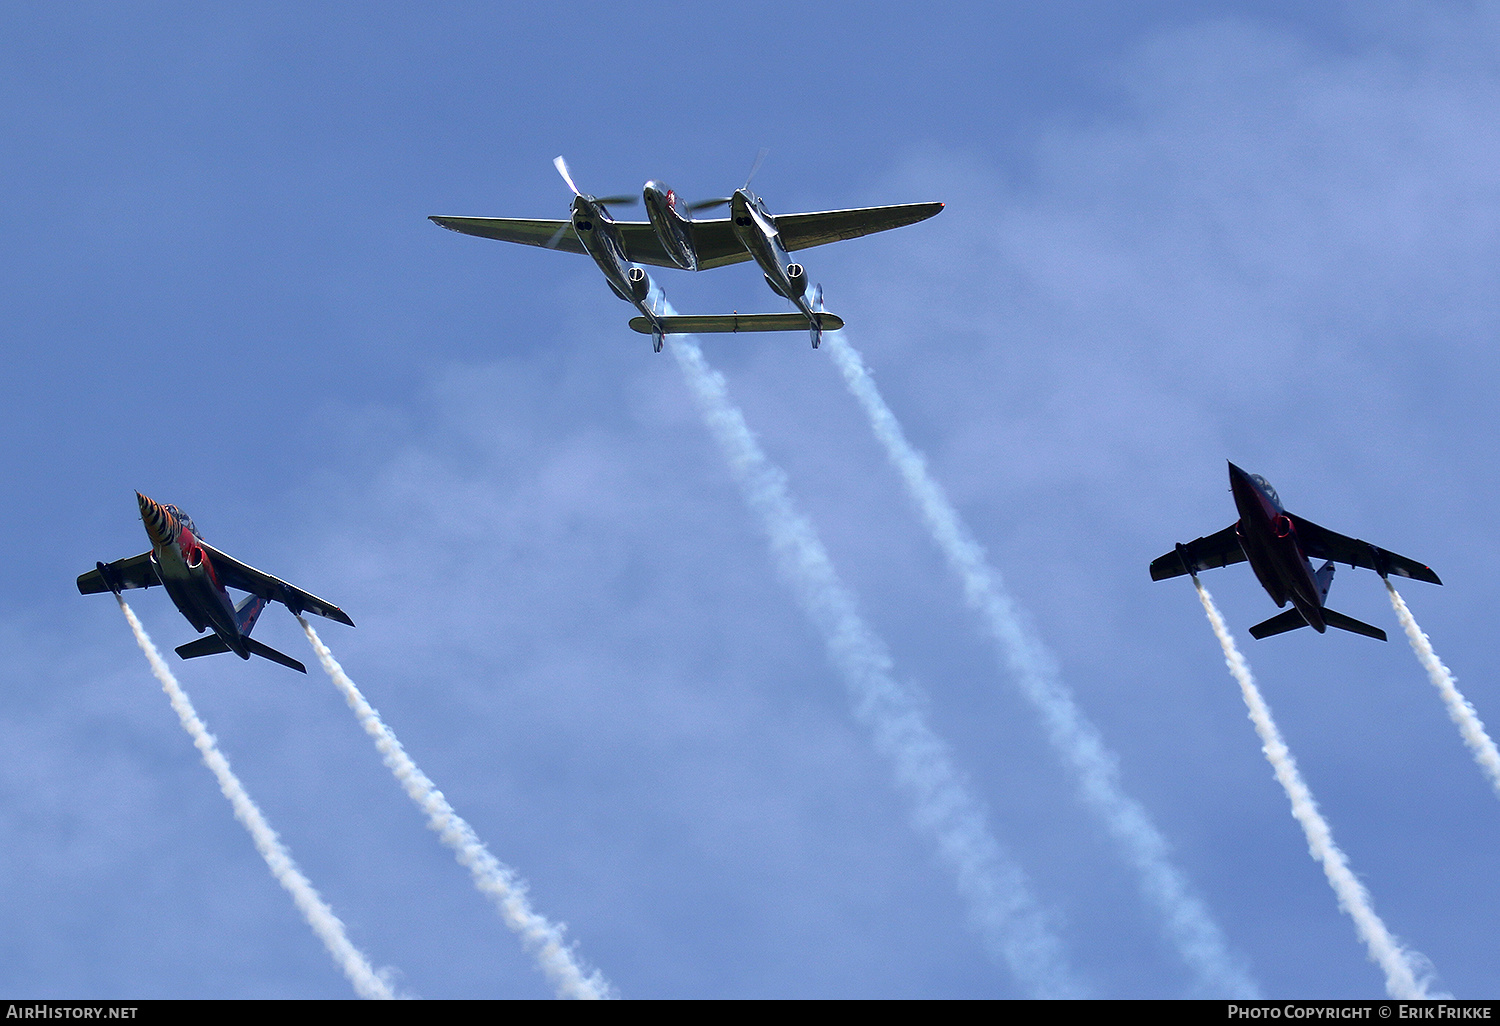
(196, 575)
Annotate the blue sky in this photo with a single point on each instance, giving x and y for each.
(1175, 234)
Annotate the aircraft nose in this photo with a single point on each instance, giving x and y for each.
(159, 525)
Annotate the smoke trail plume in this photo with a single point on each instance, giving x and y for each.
(1400, 966)
(1188, 924)
(367, 982)
(995, 890)
(494, 879)
(1459, 709)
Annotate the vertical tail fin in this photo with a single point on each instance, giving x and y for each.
(1324, 579)
(247, 612)
(816, 322)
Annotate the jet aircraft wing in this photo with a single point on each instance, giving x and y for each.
(1218, 549)
(234, 574)
(1321, 543)
(134, 572)
(641, 242)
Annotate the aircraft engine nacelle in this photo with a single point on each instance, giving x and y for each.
(1284, 527)
(774, 287)
(798, 277)
(194, 558)
(640, 283)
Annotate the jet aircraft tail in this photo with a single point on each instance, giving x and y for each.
(248, 611)
(213, 645)
(1291, 620)
(267, 652)
(1324, 579)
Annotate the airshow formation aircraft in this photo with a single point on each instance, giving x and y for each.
(1277, 544)
(672, 238)
(196, 575)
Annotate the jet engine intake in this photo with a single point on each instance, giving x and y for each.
(1284, 527)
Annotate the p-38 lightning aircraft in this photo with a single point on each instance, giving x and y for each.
(672, 238)
(196, 575)
(1277, 545)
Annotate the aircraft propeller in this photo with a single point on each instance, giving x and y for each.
(722, 201)
(608, 201)
(603, 201)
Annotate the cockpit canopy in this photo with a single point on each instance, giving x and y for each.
(1265, 486)
(183, 519)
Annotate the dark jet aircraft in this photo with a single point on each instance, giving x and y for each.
(672, 238)
(1278, 544)
(196, 575)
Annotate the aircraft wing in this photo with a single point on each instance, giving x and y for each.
(803, 231)
(135, 572)
(717, 245)
(641, 243)
(1218, 549)
(234, 574)
(515, 229)
(1321, 543)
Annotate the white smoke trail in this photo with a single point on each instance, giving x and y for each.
(367, 982)
(1189, 925)
(1400, 966)
(995, 890)
(494, 879)
(1459, 709)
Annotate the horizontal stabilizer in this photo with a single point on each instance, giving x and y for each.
(1350, 624)
(1278, 624)
(211, 645)
(1292, 619)
(706, 324)
(267, 652)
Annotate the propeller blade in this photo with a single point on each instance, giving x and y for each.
(562, 169)
(759, 157)
(618, 201)
(709, 204)
(557, 235)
